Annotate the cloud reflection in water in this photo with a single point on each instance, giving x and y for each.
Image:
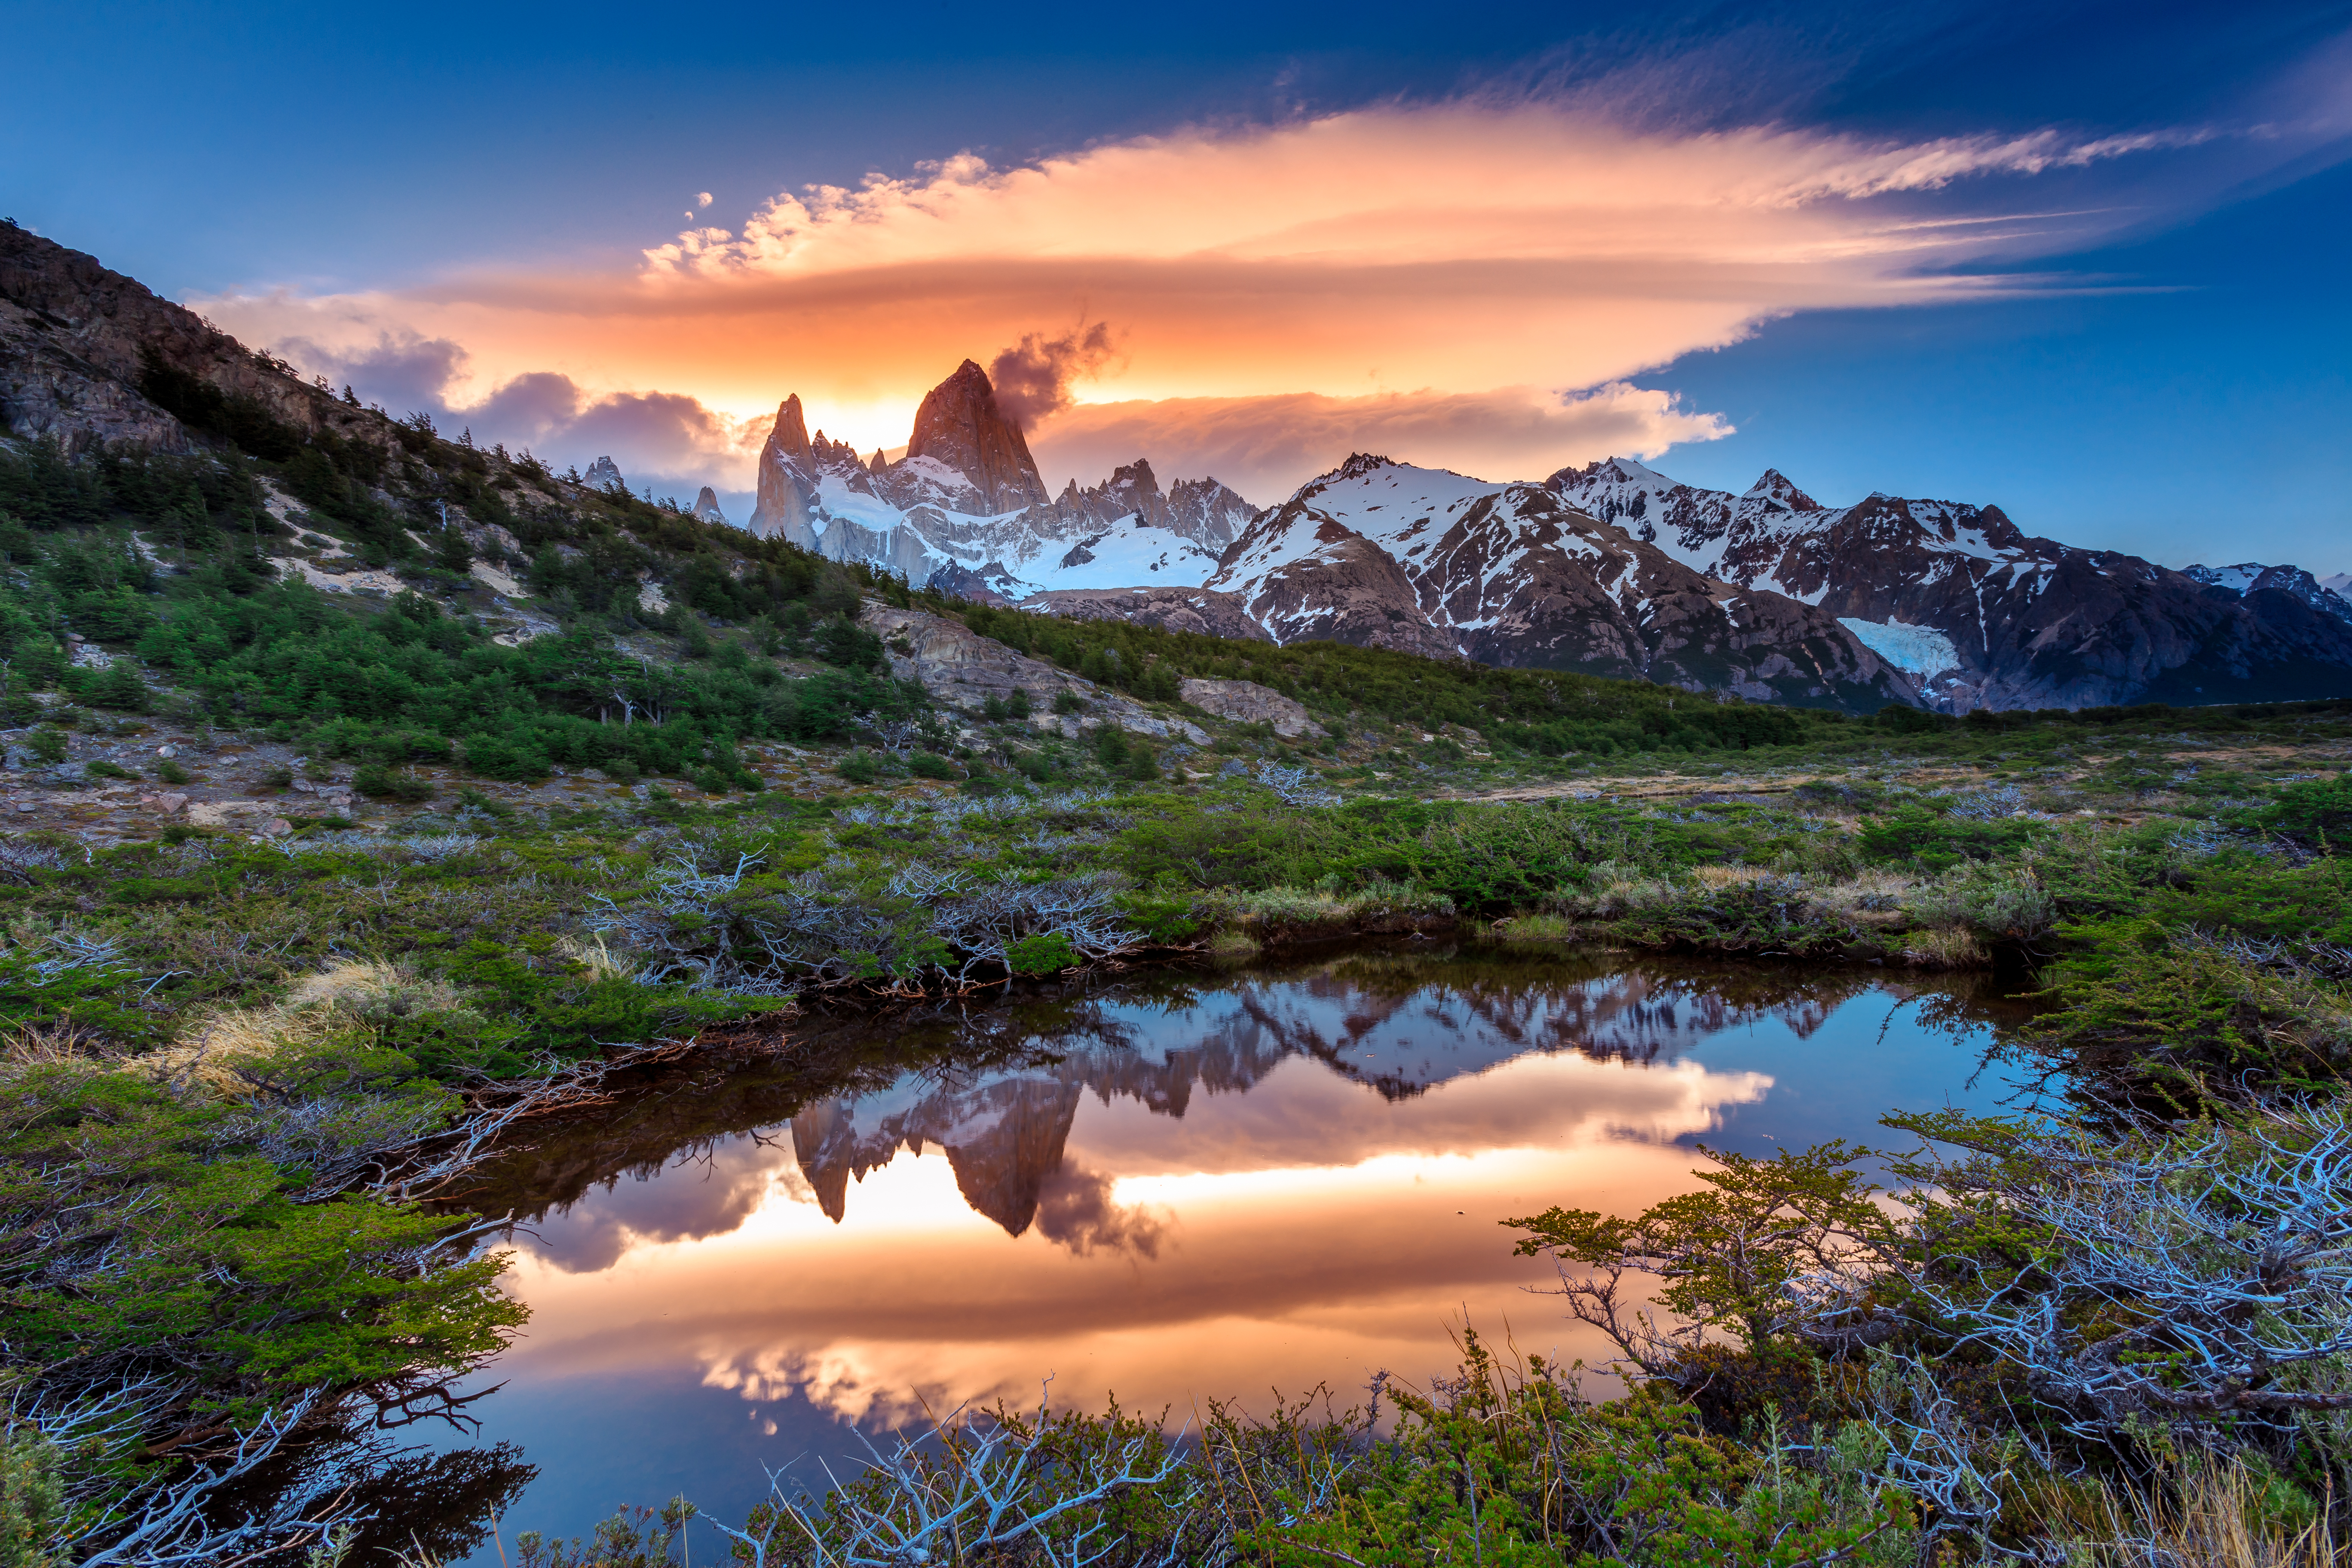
(1263, 1183)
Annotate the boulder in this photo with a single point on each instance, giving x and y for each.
(1247, 702)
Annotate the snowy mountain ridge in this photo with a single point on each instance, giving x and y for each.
(1613, 569)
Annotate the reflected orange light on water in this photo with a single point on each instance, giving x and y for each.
(1309, 1228)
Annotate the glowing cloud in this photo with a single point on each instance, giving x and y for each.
(1378, 275)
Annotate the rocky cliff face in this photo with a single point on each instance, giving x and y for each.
(79, 343)
(603, 474)
(1381, 554)
(1980, 613)
(785, 499)
(706, 506)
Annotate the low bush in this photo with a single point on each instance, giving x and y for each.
(380, 783)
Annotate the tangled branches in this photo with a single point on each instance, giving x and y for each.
(991, 1488)
(732, 930)
(2178, 1278)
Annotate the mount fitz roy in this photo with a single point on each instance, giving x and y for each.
(1612, 568)
(966, 510)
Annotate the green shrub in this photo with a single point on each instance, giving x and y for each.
(2316, 811)
(380, 783)
(32, 1501)
(1916, 834)
(46, 744)
(858, 767)
(170, 771)
(494, 757)
(930, 765)
(100, 768)
(1048, 954)
(497, 811)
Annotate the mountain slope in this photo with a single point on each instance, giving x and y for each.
(1381, 554)
(89, 356)
(1436, 565)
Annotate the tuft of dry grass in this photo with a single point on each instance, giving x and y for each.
(2213, 1515)
(1718, 877)
(1231, 946)
(1537, 928)
(1872, 898)
(29, 1046)
(210, 1052)
(593, 952)
(1945, 947)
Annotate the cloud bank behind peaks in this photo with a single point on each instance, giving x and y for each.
(1265, 447)
(1459, 248)
(664, 440)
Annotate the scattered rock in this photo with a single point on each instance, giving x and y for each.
(498, 582)
(172, 804)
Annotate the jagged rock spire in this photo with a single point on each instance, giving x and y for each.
(787, 480)
(960, 426)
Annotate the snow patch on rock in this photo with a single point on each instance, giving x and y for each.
(1922, 650)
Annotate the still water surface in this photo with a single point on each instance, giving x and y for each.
(1172, 1188)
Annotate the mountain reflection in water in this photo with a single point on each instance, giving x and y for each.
(1171, 1187)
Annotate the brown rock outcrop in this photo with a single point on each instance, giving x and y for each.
(959, 667)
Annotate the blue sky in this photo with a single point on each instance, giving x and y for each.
(2162, 371)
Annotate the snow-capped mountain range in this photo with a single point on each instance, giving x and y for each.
(1609, 569)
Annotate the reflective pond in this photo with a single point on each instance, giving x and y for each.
(1167, 1186)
